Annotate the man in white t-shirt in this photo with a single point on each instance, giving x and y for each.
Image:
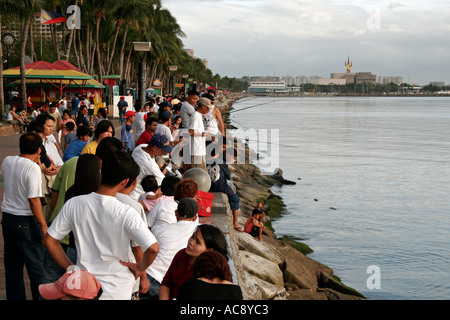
(171, 239)
(197, 133)
(62, 105)
(144, 155)
(103, 228)
(139, 121)
(21, 206)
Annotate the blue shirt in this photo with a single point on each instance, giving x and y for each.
(75, 104)
(128, 136)
(74, 149)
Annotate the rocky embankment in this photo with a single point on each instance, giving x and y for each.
(275, 268)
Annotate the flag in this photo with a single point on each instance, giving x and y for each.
(48, 17)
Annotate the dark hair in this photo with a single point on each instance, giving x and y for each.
(211, 264)
(83, 130)
(193, 92)
(35, 126)
(255, 212)
(108, 146)
(168, 185)
(214, 239)
(185, 188)
(138, 106)
(149, 183)
(103, 127)
(43, 117)
(66, 111)
(208, 96)
(87, 176)
(150, 120)
(70, 125)
(29, 143)
(117, 167)
(102, 111)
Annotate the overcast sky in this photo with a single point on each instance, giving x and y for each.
(315, 37)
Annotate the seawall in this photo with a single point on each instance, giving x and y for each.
(274, 268)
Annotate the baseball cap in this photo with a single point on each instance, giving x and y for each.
(77, 283)
(129, 114)
(204, 101)
(187, 207)
(165, 115)
(159, 140)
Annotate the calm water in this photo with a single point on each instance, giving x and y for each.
(373, 186)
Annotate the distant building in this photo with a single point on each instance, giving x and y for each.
(390, 79)
(299, 80)
(190, 52)
(267, 87)
(290, 80)
(365, 77)
(205, 63)
(437, 83)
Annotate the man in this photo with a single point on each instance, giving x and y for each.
(151, 124)
(127, 133)
(188, 108)
(75, 105)
(187, 222)
(197, 133)
(139, 119)
(145, 155)
(62, 105)
(103, 228)
(213, 121)
(57, 120)
(22, 207)
(122, 105)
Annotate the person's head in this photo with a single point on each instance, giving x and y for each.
(87, 176)
(147, 107)
(165, 117)
(52, 107)
(134, 172)
(185, 188)
(192, 97)
(160, 144)
(256, 213)
(83, 133)
(117, 169)
(101, 112)
(108, 146)
(168, 185)
(83, 110)
(36, 127)
(104, 129)
(149, 184)
(259, 204)
(47, 121)
(30, 144)
(70, 126)
(151, 124)
(203, 105)
(73, 285)
(187, 209)
(207, 237)
(129, 116)
(138, 107)
(210, 265)
(66, 115)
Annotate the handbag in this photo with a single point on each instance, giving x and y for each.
(205, 200)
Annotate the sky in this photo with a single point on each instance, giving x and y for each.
(240, 38)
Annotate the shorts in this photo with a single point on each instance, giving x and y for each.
(255, 232)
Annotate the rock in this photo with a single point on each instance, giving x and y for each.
(327, 281)
(335, 295)
(277, 176)
(259, 289)
(262, 268)
(310, 264)
(296, 273)
(248, 243)
(305, 294)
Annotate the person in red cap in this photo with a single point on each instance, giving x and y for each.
(73, 285)
(127, 134)
(122, 105)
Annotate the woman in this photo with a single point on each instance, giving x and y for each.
(16, 120)
(212, 280)
(104, 129)
(206, 237)
(64, 120)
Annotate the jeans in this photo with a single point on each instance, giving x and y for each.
(121, 116)
(23, 246)
(52, 270)
(153, 292)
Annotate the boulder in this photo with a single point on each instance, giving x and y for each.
(299, 258)
(259, 289)
(305, 294)
(327, 281)
(335, 295)
(263, 249)
(261, 268)
(296, 273)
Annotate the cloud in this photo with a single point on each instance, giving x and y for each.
(315, 36)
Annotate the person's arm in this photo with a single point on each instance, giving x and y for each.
(219, 120)
(56, 251)
(137, 269)
(36, 209)
(144, 284)
(164, 293)
(54, 198)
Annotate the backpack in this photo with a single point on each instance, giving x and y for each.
(214, 172)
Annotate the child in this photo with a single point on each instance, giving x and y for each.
(254, 226)
(71, 134)
(127, 136)
(152, 192)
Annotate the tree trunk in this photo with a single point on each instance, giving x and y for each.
(55, 40)
(23, 45)
(122, 54)
(80, 48)
(108, 68)
(99, 57)
(2, 96)
(69, 41)
(32, 53)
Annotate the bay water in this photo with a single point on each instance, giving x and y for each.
(372, 192)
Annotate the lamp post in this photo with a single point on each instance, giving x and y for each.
(172, 69)
(144, 47)
(8, 41)
(185, 76)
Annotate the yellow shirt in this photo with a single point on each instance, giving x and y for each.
(91, 147)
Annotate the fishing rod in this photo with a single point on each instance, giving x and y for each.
(256, 105)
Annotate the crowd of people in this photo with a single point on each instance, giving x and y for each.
(119, 210)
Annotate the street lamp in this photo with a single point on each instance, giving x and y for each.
(185, 76)
(8, 40)
(172, 69)
(144, 47)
